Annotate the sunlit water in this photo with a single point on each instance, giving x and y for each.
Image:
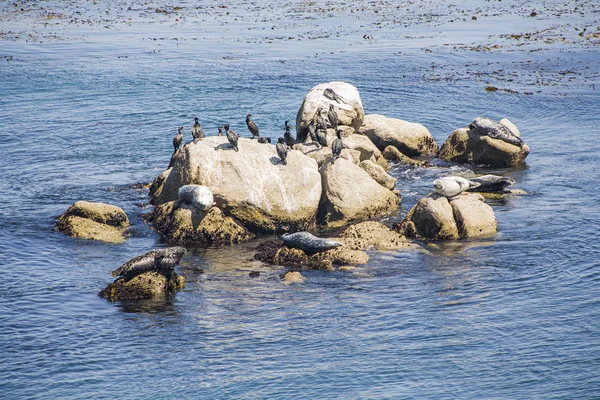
(512, 316)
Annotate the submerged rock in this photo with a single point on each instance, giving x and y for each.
(372, 234)
(476, 146)
(292, 277)
(393, 154)
(439, 218)
(410, 138)
(96, 221)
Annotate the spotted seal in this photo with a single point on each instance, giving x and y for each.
(308, 242)
(491, 183)
(487, 127)
(451, 186)
(199, 196)
(162, 260)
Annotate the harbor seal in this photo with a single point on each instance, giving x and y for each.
(491, 184)
(308, 242)
(163, 261)
(488, 127)
(199, 196)
(451, 186)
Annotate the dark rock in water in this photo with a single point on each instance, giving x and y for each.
(273, 252)
(163, 261)
(254, 274)
(308, 242)
(485, 126)
(145, 286)
(491, 184)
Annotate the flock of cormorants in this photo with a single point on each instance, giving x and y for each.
(317, 130)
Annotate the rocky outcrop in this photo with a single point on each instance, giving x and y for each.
(410, 138)
(468, 146)
(368, 151)
(439, 218)
(251, 186)
(372, 234)
(185, 224)
(377, 172)
(350, 194)
(349, 109)
(96, 221)
(144, 286)
(292, 277)
(393, 154)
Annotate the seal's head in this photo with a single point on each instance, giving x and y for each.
(439, 186)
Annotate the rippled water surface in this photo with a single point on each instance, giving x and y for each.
(512, 316)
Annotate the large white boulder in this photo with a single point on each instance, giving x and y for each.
(250, 185)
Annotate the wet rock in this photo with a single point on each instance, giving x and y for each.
(274, 252)
(372, 234)
(439, 218)
(350, 194)
(144, 286)
(292, 277)
(430, 218)
(378, 174)
(467, 146)
(185, 224)
(350, 110)
(410, 138)
(95, 221)
(393, 154)
(251, 185)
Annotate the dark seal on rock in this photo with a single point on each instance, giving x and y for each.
(491, 184)
(485, 126)
(163, 260)
(308, 242)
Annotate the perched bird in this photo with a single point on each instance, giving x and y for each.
(264, 139)
(319, 120)
(220, 130)
(287, 136)
(197, 132)
(232, 137)
(333, 117)
(281, 150)
(336, 146)
(322, 137)
(451, 186)
(331, 95)
(252, 126)
(177, 139)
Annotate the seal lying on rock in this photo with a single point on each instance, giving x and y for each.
(491, 183)
(308, 242)
(163, 260)
(451, 186)
(199, 196)
(485, 126)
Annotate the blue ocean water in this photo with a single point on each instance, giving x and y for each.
(512, 316)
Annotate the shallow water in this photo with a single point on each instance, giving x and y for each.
(513, 316)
